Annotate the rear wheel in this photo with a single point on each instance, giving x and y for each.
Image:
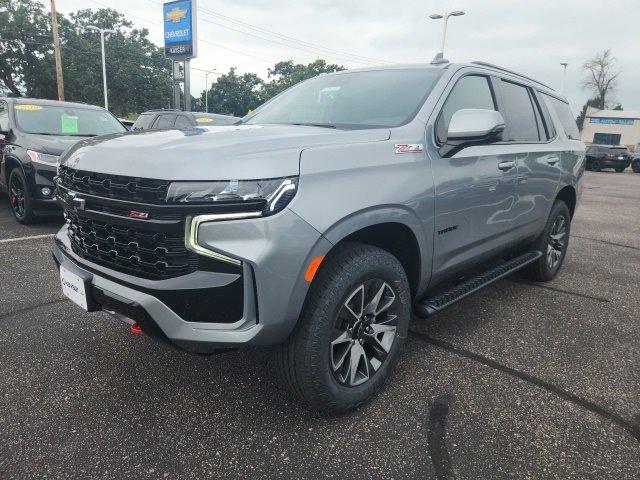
(595, 166)
(553, 243)
(635, 166)
(620, 169)
(19, 198)
(351, 332)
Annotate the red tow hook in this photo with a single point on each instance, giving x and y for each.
(13, 199)
(135, 329)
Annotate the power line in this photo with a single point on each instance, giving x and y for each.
(201, 39)
(298, 43)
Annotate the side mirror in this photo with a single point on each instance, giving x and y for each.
(472, 126)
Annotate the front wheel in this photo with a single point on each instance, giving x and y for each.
(620, 169)
(19, 198)
(635, 166)
(595, 166)
(351, 332)
(553, 243)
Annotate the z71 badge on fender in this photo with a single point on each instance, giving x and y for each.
(409, 148)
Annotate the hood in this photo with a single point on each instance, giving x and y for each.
(51, 144)
(210, 153)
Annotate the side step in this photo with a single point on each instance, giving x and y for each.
(432, 305)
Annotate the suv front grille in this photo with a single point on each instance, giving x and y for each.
(139, 252)
(119, 187)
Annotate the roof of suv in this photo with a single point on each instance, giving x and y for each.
(443, 64)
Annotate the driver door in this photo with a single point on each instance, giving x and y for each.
(475, 188)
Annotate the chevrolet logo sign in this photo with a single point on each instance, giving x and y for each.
(175, 15)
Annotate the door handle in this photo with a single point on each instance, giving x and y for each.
(552, 160)
(504, 166)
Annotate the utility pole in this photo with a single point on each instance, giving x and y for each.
(564, 74)
(102, 31)
(56, 48)
(206, 90)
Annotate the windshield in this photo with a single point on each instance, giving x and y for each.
(383, 98)
(65, 120)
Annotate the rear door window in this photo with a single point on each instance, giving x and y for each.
(4, 116)
(522, 122)
(143, 122)
(183, 122)
(472, 91)
(565, 115)
(165, 121)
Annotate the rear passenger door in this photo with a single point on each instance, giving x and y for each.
(530, 134)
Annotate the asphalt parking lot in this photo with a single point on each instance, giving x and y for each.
(519, 380)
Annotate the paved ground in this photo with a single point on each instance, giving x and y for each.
(517, 381)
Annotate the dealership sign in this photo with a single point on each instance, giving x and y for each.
(611, 121)
(179, 19)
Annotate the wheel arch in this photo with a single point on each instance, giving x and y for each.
(393, 229)
(569, 196)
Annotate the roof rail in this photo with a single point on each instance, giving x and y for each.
(491, 65)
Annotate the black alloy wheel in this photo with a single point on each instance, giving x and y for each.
(364, 332)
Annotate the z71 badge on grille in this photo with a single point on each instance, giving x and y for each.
(409, 148)
(138, 215)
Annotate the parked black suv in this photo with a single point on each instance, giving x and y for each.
(33, 135)
(608, 156)
(163, 119)
(635, 163)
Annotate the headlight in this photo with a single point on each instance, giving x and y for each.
(269, 196)
(43, 158)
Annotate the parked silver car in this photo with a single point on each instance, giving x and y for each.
(325, 218)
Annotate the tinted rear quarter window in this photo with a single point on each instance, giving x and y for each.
(565, 115)
(143, 122)
(522, 122)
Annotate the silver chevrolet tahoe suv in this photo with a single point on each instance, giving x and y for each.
(325, 218)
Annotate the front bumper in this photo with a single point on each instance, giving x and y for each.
(274, 252)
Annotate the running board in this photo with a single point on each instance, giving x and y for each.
(432, 305)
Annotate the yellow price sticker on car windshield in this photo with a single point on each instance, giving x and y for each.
(204, 120)
(28, 107)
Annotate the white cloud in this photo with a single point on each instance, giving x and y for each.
(527, 36)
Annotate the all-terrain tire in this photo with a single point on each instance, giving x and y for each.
(304, 360)
(548, 266)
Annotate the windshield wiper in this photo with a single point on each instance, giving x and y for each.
(321, 125)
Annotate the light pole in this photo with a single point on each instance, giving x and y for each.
(564, 74)
(437, 16)
(206, 89)
(104, 65)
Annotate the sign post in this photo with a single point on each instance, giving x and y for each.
(180, 44)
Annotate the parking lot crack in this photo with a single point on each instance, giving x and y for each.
(436, 439)
(630, 427)
(32, 307)
(607, 242)
(560, 290)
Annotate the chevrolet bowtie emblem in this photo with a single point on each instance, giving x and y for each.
(175, 15)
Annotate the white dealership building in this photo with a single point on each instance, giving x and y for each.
(612, 127)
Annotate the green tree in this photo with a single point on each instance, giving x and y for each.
(233, 94)
(286, 74)
(25, 45)
(138, 74)
(592, 102)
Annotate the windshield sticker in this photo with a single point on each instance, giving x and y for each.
(28, 107)
(204, 120)
(68, 124)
